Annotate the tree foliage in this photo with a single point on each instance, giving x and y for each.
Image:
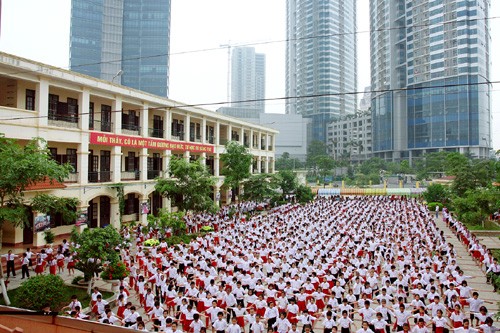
(471, 175)
(436, 193)
(315, 150)
(166, 219)
(36, 292)
(51, 204)
(304, 194)
(476, 205)
(96, 243)
(285, 162)
(287, 181)
(21, 167)
(260, 187)
(236, 165)
(190, 186)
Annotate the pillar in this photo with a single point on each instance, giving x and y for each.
(83, 160)
(242, 136)
(216, 165)
(144, 120)
(116, 115)
(266, 142)
(217, 133)
(114, 213)
(266, 165)
(143, 163)
(116, 163)
(229, 132)
(217, 195)
(167, 125)
(143, 217)
(187, 127)
(167, 155)
(42, 101)
(187, 155)
(251, 138)
(259, 159)
(203, 159)
(203, 130)
(83, 102)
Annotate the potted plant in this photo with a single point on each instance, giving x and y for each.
(152, 242)
(206, 229)
(49, 236)
(114, 272)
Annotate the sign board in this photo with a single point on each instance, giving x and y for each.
(107, 139)
(82, 218)
(41, 223)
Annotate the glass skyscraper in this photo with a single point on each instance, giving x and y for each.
(124, 41)
(321, 61)
(430, 69)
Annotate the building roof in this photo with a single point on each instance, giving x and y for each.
(46, 184)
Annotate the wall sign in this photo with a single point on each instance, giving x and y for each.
(98, 138)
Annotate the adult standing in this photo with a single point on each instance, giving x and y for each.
(10, 263)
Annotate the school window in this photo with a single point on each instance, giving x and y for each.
(30, 99)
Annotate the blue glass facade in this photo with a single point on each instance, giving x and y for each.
(382, 120)
(130, 37)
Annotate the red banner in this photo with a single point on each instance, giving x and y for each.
(98, 138)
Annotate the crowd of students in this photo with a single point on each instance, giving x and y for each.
(378, 261)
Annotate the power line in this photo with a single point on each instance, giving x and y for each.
(282, 98)
(271, 42)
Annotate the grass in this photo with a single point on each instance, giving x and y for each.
(488, 225)
(68, 291)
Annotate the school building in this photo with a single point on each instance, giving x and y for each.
(112, 134)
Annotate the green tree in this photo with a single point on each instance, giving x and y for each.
(285, 162)
(166, 219)
(325, 165)
(96, 246)
(475, 206)
(51, 204)
(260, 187)
(304, 194)
(190, 186)
(36, 292)
(236, 165)
(21, 167)
(472, 175)
(436, 193)
(287, 181)
(314, 150)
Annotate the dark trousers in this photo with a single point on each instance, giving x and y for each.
(25, 271)
(270, 323)
(10, 268)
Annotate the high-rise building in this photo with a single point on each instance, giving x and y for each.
(321, 61)
(248, 79)
(124, 41)
(432, 58)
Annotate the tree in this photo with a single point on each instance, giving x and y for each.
(475, 206)
(97, 245)
(236, 165)
(472, 175)
(287, 181)
(436, 193)
(166, 219)
(190, 186)
(51, 204)
(260, 187)
(285, 162)
(304, 194)
(325, 165)
(36, 292)
(21, 167)
(314, 150)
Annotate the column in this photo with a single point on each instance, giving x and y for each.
(187, 155)
(83, 160)
(258, 165)
(144, 120)
(83, 102)
(167, 125)
(242, 136)
(251, 138)
(203, 130)
(259, 141)
(116, 163)
(167, 155)
(274, 143)
(216, 165)
(267, 141)
(203, 159)
(114, 213)
(187, 127)
(116, 115)
(42, 101)
(143, 164)
(229, 132)
(273, 165)
(217, 195)
(217, 133)
(82, 207)
(143, 217)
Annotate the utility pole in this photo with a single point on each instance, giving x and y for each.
(228, 46)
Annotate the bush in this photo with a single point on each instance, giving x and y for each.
(436, 193)
(115, 271)
(432, 206)
(304, 194)
(207, 228)
(151, 242)
(40, 290)
(185, 239)
(77, 279)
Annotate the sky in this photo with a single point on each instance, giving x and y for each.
(200, 29)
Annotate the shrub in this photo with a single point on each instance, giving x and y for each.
(206, 228)
(40, 290)
(151, 242)
(115, 271)
(77, 279)
(432, 206)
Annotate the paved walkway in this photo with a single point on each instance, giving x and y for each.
(470, 267)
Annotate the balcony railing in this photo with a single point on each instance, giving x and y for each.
(211, 139)
(156, 133)
(131, 129)
(63, 121)
(71, 178)
(152, 174)
(100, 176)
(131, 175)
(179, 136)
(103, 126)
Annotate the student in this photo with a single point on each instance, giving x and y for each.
(196, 325)
(345, 323)
(465, 328)
(9, 257)
(220, 324)
(420, 327)
(233, 327)
(73, 304)
(364, 328)
(282, 325)
(379, 324)
(130, 317)
(24, 266)
(439, 323)
(488, 327)
(271, 315)
(329, 323)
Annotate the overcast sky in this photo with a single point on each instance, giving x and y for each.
(39, 30)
